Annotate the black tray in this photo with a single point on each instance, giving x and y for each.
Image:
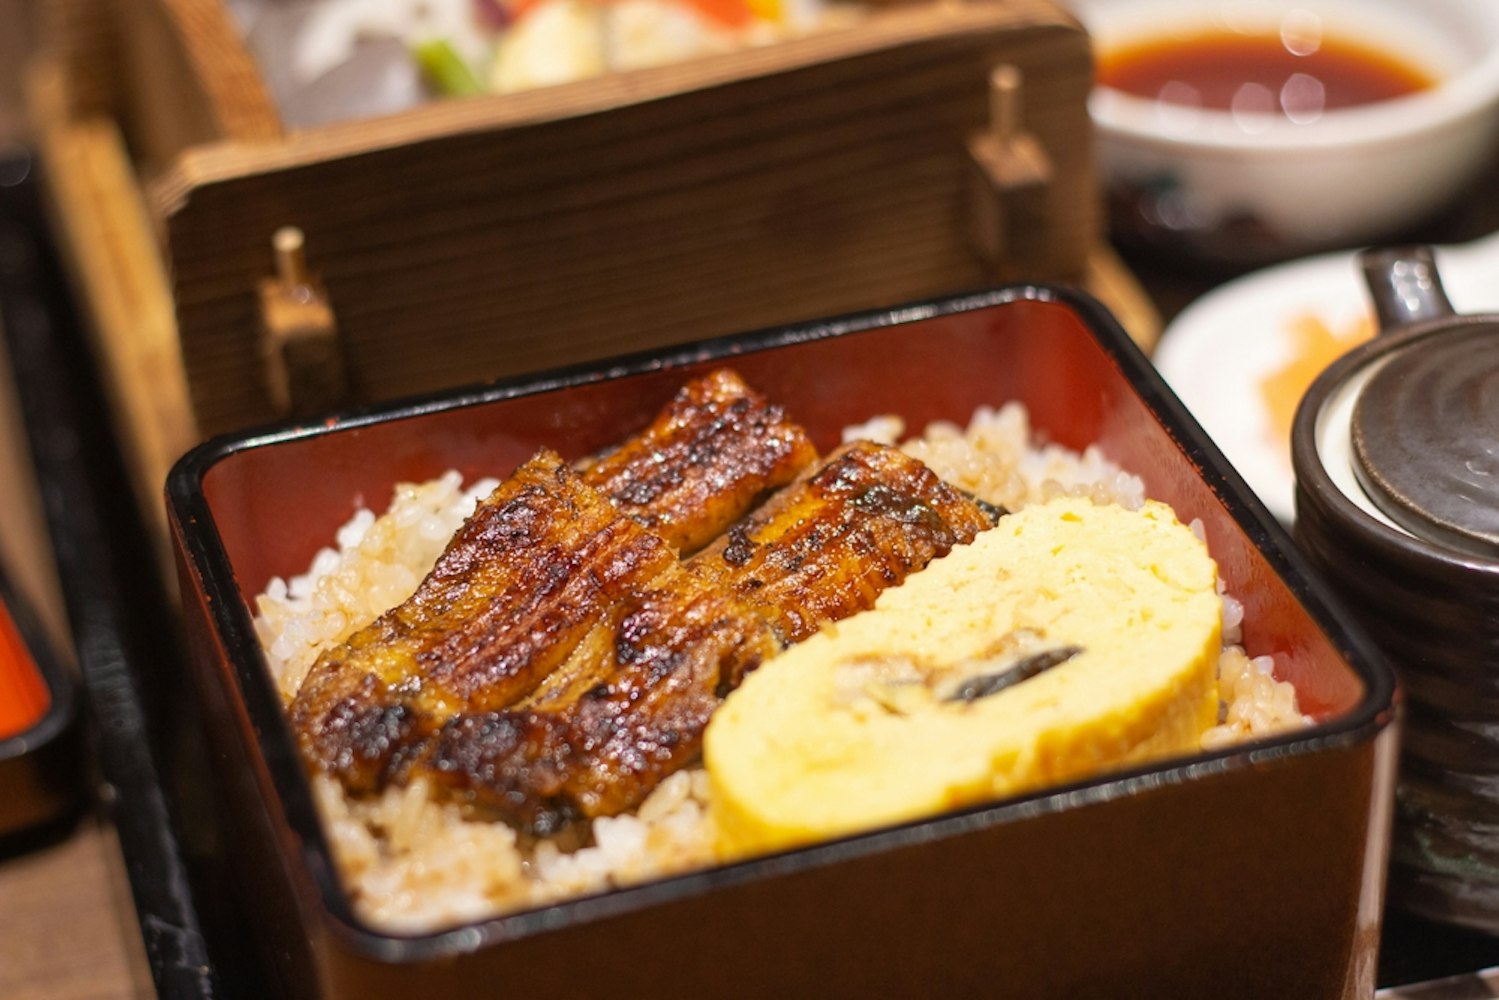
(156, 789)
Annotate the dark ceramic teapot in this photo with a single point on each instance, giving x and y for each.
(1396, 452)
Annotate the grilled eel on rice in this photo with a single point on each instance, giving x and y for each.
(560, 661)
(532, 572)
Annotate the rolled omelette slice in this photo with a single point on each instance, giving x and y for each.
(1069, 639)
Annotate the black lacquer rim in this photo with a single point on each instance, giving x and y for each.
(206, 555)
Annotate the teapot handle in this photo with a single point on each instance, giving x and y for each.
(1405, 286)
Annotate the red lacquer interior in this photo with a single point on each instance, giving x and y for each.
(274, 506)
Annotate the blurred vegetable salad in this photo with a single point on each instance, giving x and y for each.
(328, 60)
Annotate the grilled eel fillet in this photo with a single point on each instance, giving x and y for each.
(711, 454)
(523, 581)
(823, 548)
(601, 732)
(534, 570)
(659, 663)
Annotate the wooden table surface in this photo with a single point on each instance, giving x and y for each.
(62, 937)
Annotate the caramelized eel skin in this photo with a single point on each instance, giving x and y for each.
(539, 564)
(534, 570)
(825, 547)
(715, 450)
(661, 662)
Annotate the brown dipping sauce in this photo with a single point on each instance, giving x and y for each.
(1298, 77)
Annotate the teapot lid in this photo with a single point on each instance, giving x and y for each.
(1425, 427)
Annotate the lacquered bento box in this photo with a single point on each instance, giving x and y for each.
(1255, 871)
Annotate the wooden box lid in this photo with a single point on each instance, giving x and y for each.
(477, 238)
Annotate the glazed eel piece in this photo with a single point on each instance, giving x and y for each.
(823, 548)
(536, 568)
(523, 581)
(712, 453)
(601, 732)
(657, 667)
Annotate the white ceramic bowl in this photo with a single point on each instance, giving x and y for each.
(1258, 187)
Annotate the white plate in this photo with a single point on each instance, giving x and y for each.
(1218, 351)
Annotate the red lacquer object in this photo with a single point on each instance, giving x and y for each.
(1249, 872)
(38, 753)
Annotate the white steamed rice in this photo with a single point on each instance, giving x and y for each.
(412, 863)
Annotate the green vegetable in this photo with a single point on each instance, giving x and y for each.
(445, 70)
